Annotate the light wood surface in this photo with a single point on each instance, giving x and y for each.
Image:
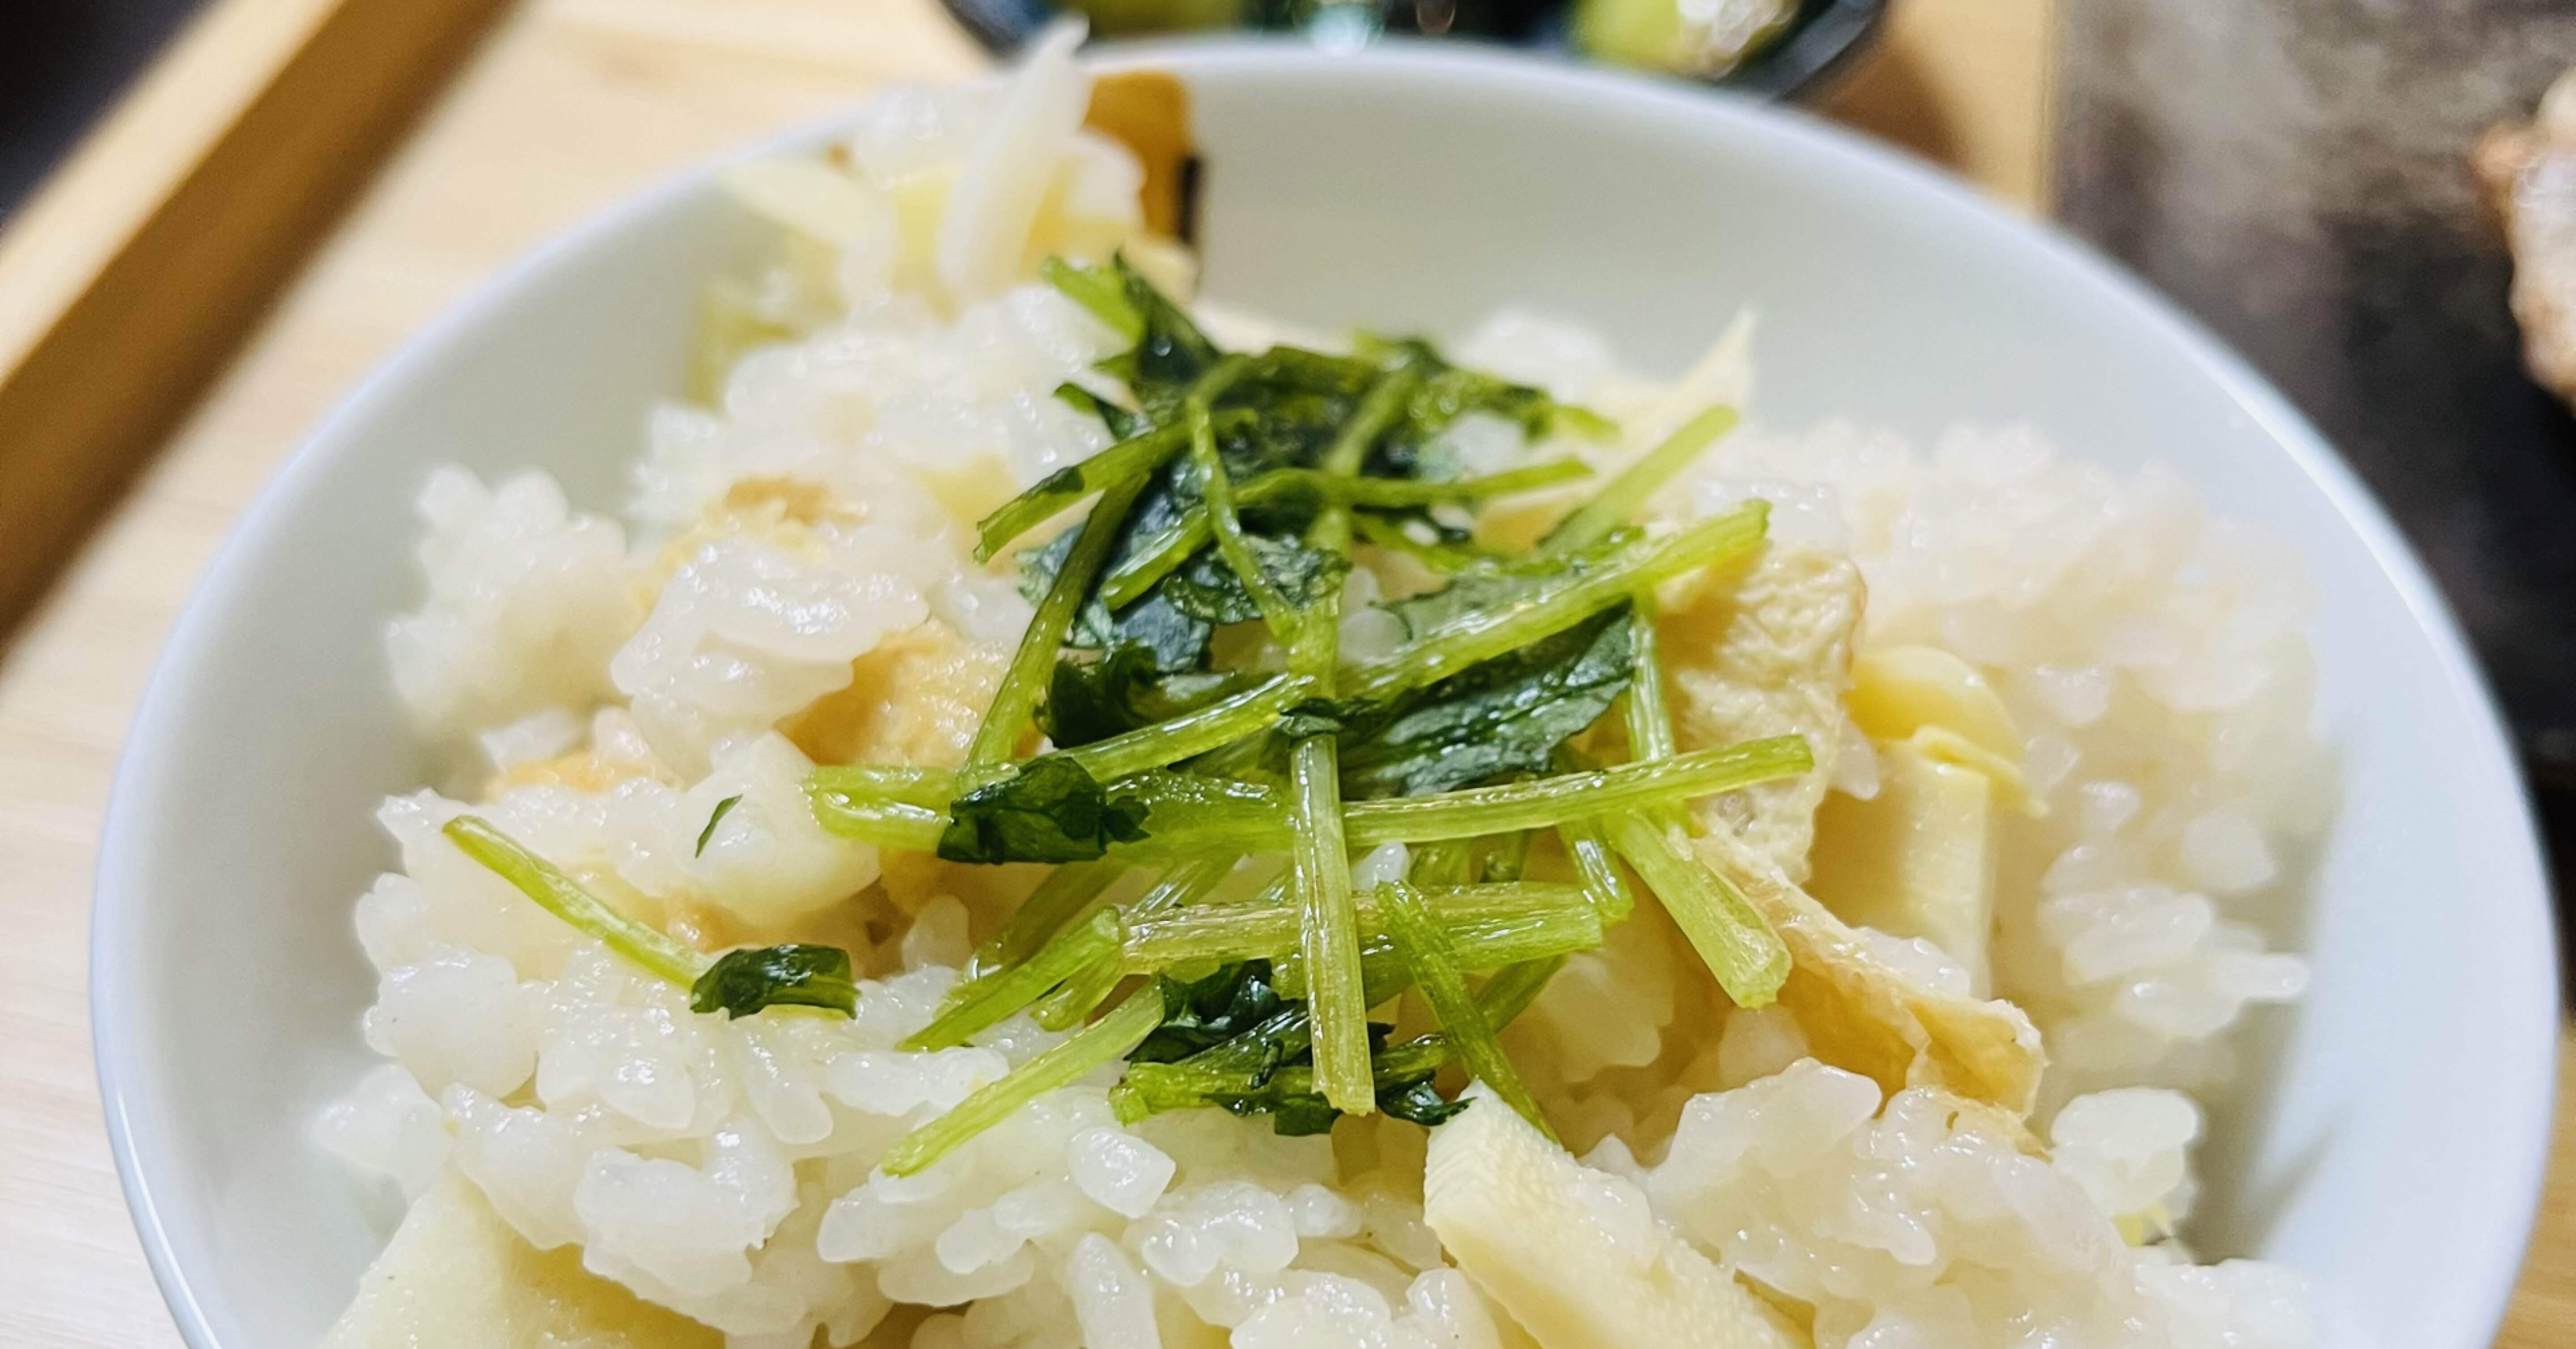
(126, 282)
(568, 105)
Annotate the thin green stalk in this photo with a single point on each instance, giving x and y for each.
(1620, 497)
(1589, 849)
(997, 737)
(993, 1000)
(1105, 1041)
(1329, 929)
(1064, 893)
(1072, 1002)
(1191, 734)
(1730, 935)
(1442, 557)
(1513, 988)
(1160, 745)
(565, 898)
(1098, 290)
(1433, 959)
(1217, 490)
(1174, 545)
(1649, 716)
(1189, 815)
(1129, 461)
(1182, 886)
(1443, 863)
(1483, 636)
(1481, 919)
(1541, 802)
(876, 819)
(1251, 1061)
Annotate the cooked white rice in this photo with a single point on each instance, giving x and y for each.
(602, 684)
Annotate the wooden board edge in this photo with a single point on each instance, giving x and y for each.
(140, 267)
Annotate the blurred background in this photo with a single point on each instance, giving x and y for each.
(237, 207)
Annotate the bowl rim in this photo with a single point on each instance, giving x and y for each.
(137, 1140)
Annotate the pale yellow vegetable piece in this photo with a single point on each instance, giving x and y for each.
(1572, 1253)
(1917, 859)
(455, 1274)
(1761, 654)
(810, 197)
(1861, 1014)
(1945, 708)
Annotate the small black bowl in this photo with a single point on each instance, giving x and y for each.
(1819, 39)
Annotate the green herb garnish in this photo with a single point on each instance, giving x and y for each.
(715, 817)
(1049, 811)
(742, 982)
(1184, 663)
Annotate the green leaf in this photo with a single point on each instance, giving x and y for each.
(1089, 701)
(1417, 1102)
(714, 818)
(743, 982)
(1468, 635)
(1208, 590)
(1504, 716)
(1488, 584)
(1051, 810)
(1169, 352)
(1122, 423)
(1202, 1013)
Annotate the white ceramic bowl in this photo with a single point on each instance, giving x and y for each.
(2390, 1144)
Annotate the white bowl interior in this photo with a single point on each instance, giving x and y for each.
(2389, 1144)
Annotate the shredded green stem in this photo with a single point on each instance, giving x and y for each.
(1065, 892)
(1620, 497)
(1189, 815)
(1649, 716)
(1130, 460)
(1160, 745)
(1182, 886)
(997, 737)
(1482, 920)
(1442, 863)
(1250, 1062)
(1131, 578)
(1731, 936)
(1104, 1041)
(1513, 988)
(1433, 960)
(565, 898)
(1217, 490)
(1097, 290)
(1598, 866)
(1541, 802)
(875, 818)
(1073, 1001)
(1340, 466)
(1483, 636)
(991, 1001)
(1191, 734)
(1329, 929)
(1442, 557)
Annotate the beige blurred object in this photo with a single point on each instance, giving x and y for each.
(2529, 172)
